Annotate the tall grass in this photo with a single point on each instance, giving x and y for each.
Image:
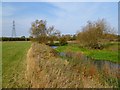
(50, 71)
(105, 75)
(47, 70)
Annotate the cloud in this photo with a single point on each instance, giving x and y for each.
(72, 16)
(66, 17)
(75, 15)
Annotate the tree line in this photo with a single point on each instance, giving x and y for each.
(23, 38)
(92, 35)
(41, 33)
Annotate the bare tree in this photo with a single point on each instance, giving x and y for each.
(53, 34)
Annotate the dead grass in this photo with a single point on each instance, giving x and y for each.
(46, 70)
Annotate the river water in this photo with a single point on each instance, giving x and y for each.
(100, 64)
(53, 47)
(111, 67)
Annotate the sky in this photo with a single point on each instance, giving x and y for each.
(67, 17)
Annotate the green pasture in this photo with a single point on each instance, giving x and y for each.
(110, 52)
(13, 63)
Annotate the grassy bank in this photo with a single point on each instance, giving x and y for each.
(45, 69)
(110, 52)
(13, 64)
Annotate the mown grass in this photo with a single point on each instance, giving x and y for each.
(13, 64)
(110, 52)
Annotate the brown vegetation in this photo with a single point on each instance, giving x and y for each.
(41, 33)
(46, 70)
(93, 34)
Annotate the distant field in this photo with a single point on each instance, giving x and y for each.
(13, 63)
(110, 52)
(0, 64)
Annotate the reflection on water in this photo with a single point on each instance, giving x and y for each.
(53, 47)
(100, 64)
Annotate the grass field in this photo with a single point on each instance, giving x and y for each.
(110, 52)
(13, 63)
(0, 65)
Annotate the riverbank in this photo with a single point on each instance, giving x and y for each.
(109, 53)
(45, 69)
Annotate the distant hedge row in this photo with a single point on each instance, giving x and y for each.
(14, 39)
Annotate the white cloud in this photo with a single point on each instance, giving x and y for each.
(72, 16)
(69, 17)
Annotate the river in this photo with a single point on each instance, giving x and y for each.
(100, 64)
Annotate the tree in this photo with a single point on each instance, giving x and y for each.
(41, 33)
(23, 37)
(68, 37)
(63, 40)
(53, 34)
(92, 33)
(73, 37)
(38, 31)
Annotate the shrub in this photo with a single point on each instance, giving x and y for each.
(92, 34)
(63, 41)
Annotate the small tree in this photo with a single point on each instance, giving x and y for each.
(53, 34)
(92, 33)
(63, 40)
(74, 37)
(38, 31)
(23, 37)
(41, 33)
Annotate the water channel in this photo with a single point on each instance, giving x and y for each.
(100, 64)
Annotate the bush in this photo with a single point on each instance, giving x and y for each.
(97, 46)
(63, 41)
(93, 33)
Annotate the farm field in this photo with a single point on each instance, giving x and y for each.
(13, 64)
(110, 52)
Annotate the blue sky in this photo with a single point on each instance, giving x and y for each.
(68, 17)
